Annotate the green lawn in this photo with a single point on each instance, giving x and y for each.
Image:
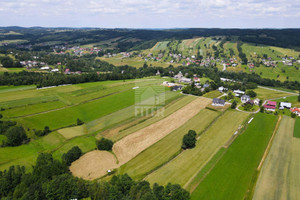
(232, 175)
(181, 169)
(162, 151)
(297, 128)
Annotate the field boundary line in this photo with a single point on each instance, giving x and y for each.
(69, 106)
(269, 144)
(181, 151)
(204, 175)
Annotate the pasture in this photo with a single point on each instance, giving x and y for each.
(279, 177)
(232, 175)
(182, 168)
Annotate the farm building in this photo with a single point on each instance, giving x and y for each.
(238, 92)
(245, 98)
(185, 80)
(296, 111)
(284, 105)
(270, 106)
(218, 102)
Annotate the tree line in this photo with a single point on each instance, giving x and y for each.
(127, 72)
(51, 179)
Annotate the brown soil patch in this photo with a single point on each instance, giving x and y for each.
(93, 165)
(132, 145)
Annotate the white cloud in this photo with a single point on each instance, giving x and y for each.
(155, 12)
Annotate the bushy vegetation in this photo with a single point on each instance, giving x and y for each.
(105, 144)
(40, 133)
(189, 140)
(50, 179)
(251, 93)
(72, 155)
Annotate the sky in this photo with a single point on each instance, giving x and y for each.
(151, 13)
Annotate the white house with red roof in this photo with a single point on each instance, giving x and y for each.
(296, 111)
(270, 106)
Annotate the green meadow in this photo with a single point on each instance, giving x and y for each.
(233, 174)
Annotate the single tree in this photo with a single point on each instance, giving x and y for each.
(72, 155)
(189, 140)
(105, 144)
(16, 135)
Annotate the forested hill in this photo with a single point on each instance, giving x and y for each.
(131, 39)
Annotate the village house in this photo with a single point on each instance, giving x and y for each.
(270, 106)
(196, 79)
(284, 105)
(218, 102)
(179, 75)
(222, 89)
(296, 111)
(245, 98)
(256, 101)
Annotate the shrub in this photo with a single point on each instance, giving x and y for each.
(105, 144)
(189, 140)
(79, 122)
(234, 104)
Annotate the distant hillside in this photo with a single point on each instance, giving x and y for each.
(130, 39)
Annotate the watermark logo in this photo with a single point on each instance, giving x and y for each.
(149, 100)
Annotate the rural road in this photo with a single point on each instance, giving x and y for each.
(291, 94)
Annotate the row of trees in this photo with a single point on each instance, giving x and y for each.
(51, 179)
(244, 80)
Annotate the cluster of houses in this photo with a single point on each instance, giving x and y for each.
(78, 51)
(32, 64)
(67, 71)
(290, 60)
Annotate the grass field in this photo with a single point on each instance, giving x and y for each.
(213, 94)
(264, 94)
(232, 175)
(114, 108)
(279, 177)
(162, 151)
(181, 169)
(297, 128)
